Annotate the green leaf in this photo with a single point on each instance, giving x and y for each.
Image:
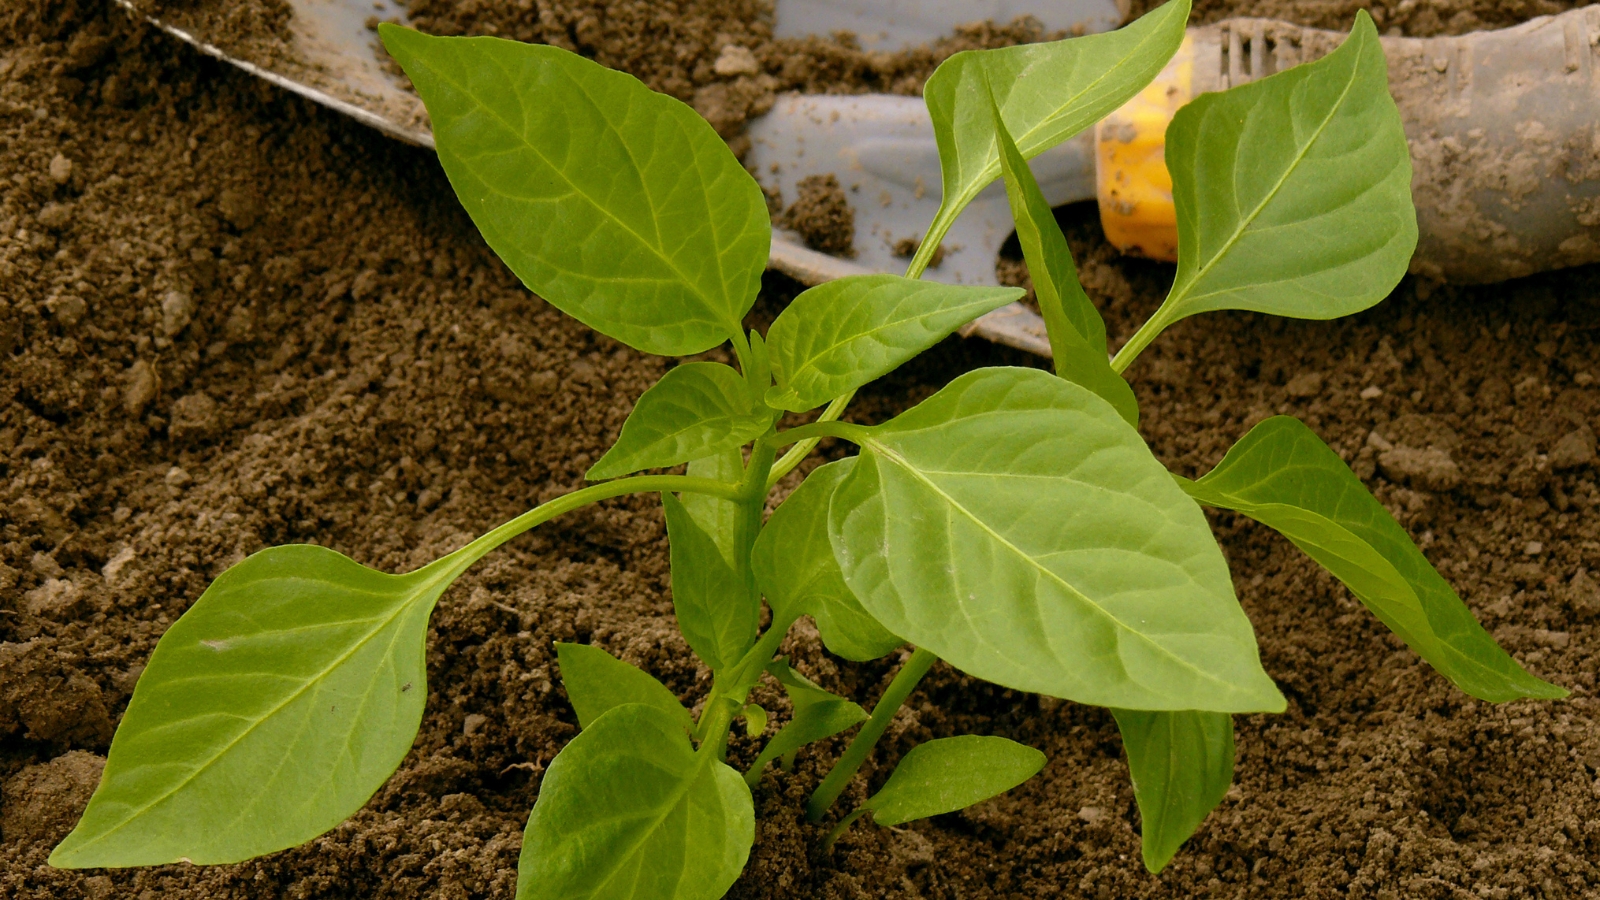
(268, 714)
(596, 682)
(1182, 765)
(1077, 333)
(1047, 93)
(619, 205)
(1016, 526)
(952, 773)
(1283, 476)
(817, 715)
(1293, 192)
(716, 607)
(840, 335)
(794, 566)
(695, 410)
(718, 517)
(629, 811)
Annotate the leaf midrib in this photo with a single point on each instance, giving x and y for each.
(895, 457)
(384, 623)
(1178, 295)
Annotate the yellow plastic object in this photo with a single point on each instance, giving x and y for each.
(1130, 164)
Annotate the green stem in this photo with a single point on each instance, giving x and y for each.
(815, 431)
(714, 724)
(1141, 339)
(642, 484)
(845, 769)
(799, 451)
(839, 829)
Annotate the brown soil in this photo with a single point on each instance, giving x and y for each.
(1409, 18)
(822, 215)
(230, 319)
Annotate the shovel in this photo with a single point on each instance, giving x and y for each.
(1504, 129)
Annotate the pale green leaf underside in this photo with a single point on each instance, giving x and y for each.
(619, 205)
(695, 410)
(1047, 93)
(269, 713)
(952, 773)
(794, 565)
(841, 335)
(629, 811)
(1182, 765)
(1293, 192)
(596, 682)
(1283, 476)
(1076, 331)
(1018, 527)
(714, 605)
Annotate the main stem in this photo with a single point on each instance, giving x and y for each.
(905, 681)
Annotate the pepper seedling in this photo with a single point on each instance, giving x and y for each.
(1014, 524)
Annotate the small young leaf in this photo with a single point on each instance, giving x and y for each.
(716, 608)
(629, 811)
(695, 410)
(617, 204)
(1016, 526)
(817, 715)
(794, 565)
(755, 719)
(1182, 765)
(840, 335)
(1283, 476)
(596, 682)
(1293, 192)
(1047, 93)
(1077, 333)
(269, 713)
(952, 773)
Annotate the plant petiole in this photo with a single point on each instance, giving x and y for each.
(1141, 339)
(544, 512)
(843, 826)
(848, 431)
(800, 450)
(905, 681)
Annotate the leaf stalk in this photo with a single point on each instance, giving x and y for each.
(905, 681)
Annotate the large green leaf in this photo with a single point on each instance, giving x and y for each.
(840, 335)
(617, 204)
(1283, 476)
(1047, 93)
(715, 604)
(1077, 333)
(1016, 526)
(596, 682)
(629, 811)
(952, 773)
(268, 714)
(1293, 192)
(817, 715)
(794, 565)
(1182, 765)
(695, 410)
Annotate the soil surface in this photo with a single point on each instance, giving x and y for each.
(230, 319)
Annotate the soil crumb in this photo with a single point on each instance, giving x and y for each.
(822, 215)
(231, 319)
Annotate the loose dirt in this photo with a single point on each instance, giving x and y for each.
(230, 319)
